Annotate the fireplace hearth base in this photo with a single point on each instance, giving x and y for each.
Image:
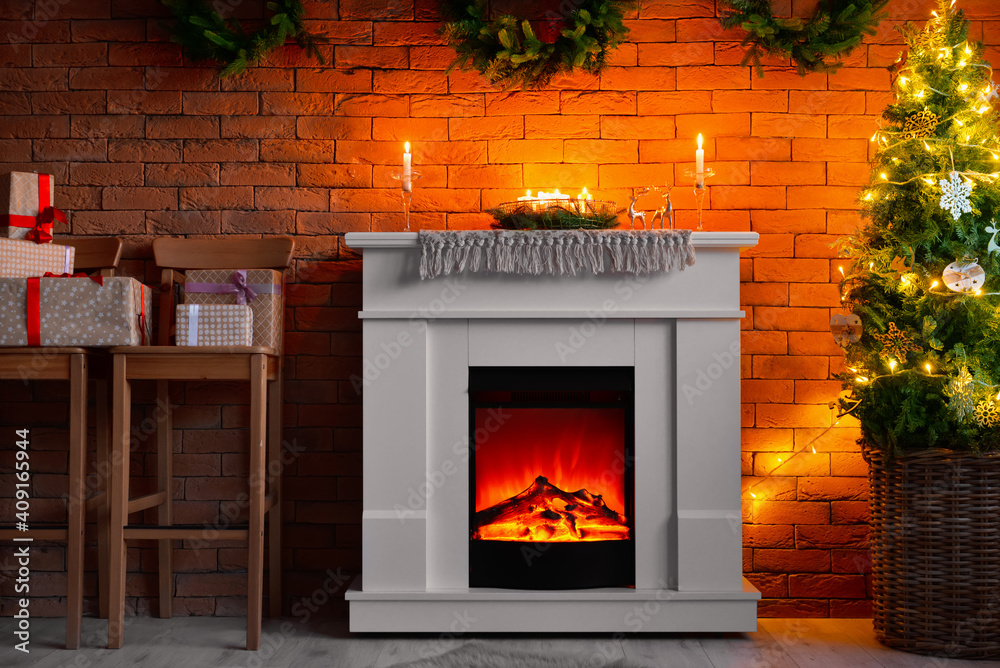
(678, 332)
(609, 610)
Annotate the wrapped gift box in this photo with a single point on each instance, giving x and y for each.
(26, 208)
(26, 259)
(77, 311)
(214, 325)
(259, 288)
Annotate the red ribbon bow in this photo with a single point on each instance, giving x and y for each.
(41, 225)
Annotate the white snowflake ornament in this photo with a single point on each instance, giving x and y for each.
(955, 194)
(989, 93)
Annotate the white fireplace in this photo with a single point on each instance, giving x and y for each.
(676, 336)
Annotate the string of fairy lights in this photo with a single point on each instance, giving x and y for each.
(918, 129)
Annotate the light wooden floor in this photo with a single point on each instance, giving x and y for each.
(187, 642)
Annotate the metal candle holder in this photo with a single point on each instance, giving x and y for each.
(406, 194)
(699, 191)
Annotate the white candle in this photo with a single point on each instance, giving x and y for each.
(699, 164)
(407, 168)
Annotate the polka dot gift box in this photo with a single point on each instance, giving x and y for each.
(214, 325)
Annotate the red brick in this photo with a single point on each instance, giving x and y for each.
(147, 102)
(653, 54)
(106, 126)
(76, 55)
(833, 489)
(770, 440)
(816, 391)
(766, 391)
(770, 586)
(297, 104)
(123, 53)
(848, 464)
(109, 31)
(831, 197)
(96, 174)
(792, 415)
(182, 78)
(334, 176)
(171, 174)
(72, 102)
(755, 149)
(182, 127)
(446, 106)
(508, 127)
(860, 78)
(515, 151)
(106, 78)
(254, 127)
(787, 173)
(221, 150)
(143, 199)
(143, 150)
(358, 104)
(638, 78)
(803, 270)
(713, 78)
(746, 100)
(793, 608)
(224, 197)
(826, 585)
(834, 536)
(259, 222)
(597, 102)
(791, 561)
(825, 102)
(299, 199)
(849, 512)
(520, 103)
(257, 174)
(229, 104)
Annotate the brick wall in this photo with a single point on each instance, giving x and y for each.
(144, 144)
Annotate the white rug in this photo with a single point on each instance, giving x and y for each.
(479, 655)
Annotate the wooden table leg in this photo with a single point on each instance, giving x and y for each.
(275, 401)
(77, 501)
(255, 541)
(118, 502)
(103, 462)
(165, 483)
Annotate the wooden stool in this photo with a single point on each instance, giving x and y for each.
(262, 368)
(73, 365)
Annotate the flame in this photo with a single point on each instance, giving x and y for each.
(406, 147)
(700, 140)
(574, 448)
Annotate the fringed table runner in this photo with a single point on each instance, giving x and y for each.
(554, 252)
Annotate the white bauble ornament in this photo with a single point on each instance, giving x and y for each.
(964, 275)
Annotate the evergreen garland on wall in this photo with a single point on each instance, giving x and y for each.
(815, 44)
(205, 35)
(509, 53)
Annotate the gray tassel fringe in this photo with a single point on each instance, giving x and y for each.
(554, 252)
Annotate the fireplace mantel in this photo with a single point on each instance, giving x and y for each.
(679, 331)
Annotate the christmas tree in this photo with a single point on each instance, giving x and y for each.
(922, 316)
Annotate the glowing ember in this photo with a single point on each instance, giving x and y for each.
(544, 513)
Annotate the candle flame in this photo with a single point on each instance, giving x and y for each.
(406, 147)
(699, 140)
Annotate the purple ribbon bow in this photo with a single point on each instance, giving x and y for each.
(244, 293)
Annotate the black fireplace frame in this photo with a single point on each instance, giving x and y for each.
(554, 565)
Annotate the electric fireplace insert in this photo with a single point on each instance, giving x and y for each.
(551, 480)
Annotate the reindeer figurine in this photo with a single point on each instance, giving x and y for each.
(637, 215)
(666, 212)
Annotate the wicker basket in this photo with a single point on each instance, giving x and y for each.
(936, 552)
